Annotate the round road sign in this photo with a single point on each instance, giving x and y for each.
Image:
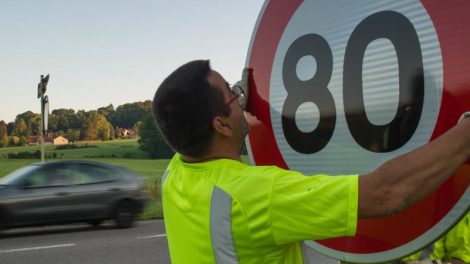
(340, 87)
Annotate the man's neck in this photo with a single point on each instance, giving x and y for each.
(221, 148)
(211, 157)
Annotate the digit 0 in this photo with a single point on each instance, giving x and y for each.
(399, 30)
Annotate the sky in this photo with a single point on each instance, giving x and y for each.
(113, 51)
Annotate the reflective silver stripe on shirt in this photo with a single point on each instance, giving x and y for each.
(161, 183)
(221, 227)
(164, 176)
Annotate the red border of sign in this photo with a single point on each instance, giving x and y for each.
(373, 235)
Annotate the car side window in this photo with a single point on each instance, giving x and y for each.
(94, 174)
(48, 177)
(35, 179)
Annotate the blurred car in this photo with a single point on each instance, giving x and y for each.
(70, 191)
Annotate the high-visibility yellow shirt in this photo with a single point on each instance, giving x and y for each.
(454, 244)
(225, 211)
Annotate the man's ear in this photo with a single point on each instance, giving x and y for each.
(222, 126)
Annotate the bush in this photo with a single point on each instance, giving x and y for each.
(87, 146)
(127, 155)
(63, 147)
(25, 155)
(73, 146)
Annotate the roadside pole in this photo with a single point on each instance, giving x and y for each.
(42, 86)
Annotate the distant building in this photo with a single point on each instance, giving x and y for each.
(60, 140)
(34, 140)
(125, 133)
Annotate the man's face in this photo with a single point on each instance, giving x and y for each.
(237, 116)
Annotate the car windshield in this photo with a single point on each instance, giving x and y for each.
(15, 175)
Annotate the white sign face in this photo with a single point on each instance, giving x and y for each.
(322, 46)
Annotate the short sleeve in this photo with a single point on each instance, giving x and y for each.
(313, 207)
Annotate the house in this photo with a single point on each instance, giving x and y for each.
(34, 140)
(125, 133)
(60, 140)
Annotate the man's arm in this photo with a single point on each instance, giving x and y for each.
(402, 181)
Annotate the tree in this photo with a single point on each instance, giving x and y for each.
(90, 130)
(72, 134)
(53, 122)
(112, 133)
(151, 140)
(96, 126)
(127, 115)
(3, 134)
(34, 125)
(10, 128)
(103, 127)
(20, 128)
(106, 111)
(5, 142)
(14, 141)
(32, 121)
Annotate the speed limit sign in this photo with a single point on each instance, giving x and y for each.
(340, 87)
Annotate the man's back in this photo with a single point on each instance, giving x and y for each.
(228, 212)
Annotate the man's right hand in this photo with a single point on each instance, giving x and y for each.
(242, 86)
(463, 116)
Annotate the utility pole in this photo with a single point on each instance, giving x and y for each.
(42, 86)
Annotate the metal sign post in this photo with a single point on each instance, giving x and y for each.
(42, 86)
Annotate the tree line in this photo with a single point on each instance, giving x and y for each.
(105, 123)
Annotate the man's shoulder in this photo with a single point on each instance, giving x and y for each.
(256, 170)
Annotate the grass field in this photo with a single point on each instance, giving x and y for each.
(126, 148)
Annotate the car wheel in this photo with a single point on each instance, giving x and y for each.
(95, 222)
(3, 221)
(124, 214)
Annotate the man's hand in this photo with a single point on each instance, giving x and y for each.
(242, 86)
(463, 116)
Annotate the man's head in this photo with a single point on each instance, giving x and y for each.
(190, 104)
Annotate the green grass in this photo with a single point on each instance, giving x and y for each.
(7, 166)
(127, 148)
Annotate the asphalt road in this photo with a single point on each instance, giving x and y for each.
(143, 244)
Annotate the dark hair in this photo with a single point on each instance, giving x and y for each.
(185, 105)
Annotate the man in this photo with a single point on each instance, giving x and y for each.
(219, 210)
(452, 248)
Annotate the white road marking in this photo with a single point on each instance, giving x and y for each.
(161, 235)
(35, 248)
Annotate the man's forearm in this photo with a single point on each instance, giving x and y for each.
(408, 178)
